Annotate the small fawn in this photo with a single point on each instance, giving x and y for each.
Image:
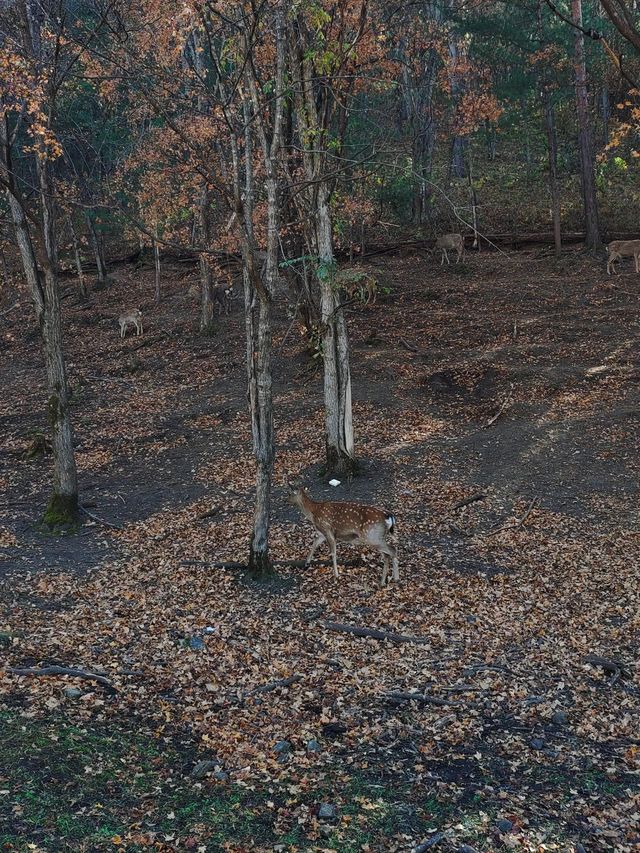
(450, 241)
(348, 522)
(619, 249)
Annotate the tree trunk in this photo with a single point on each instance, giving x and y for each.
(76, 253)
(593, 240)
(63, 504)
(335, 351)
(552, 146)
(457, 163)
(606, 113)
(156, 262)
(97, 250)
(206, 276)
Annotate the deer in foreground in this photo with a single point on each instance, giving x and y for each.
(619, 249)
(132, 318)
(450, 241)
(348, 522)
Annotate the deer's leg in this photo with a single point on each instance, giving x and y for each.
(332, 544)
(317, 542)
(385, 571)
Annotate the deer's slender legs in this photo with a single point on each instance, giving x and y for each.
(332, 544)
(317, 542)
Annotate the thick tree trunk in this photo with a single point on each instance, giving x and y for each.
(97, 250)
(457, 162)
(593, 240)
(63, 505)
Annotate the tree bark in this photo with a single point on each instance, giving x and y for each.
(63, 503)
(552, 147)
(78, 259)
(593, 240)
(156, 263)
(206, 276)
(339, 442)
(97, 250)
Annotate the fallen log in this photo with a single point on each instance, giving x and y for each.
(395, 696)
(479, 496)
(373, 633)
(62, 670)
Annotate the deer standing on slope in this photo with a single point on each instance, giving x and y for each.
(348, 522)
(450, 241)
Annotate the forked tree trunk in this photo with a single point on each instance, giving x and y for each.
(339, 444)
(335, 350)
(593, 240)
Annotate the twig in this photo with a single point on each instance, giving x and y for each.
(408, 346)
(374, 633)
(518, 522)
(273, 685)
(505, 402)
(479, 496)
(9, 310)
(422, 699)
(99, 520)
(62, 670)
(616, 667)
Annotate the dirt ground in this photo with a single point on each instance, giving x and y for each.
(511, 375)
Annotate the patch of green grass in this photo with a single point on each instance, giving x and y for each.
(72, 788)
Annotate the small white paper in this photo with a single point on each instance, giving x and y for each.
(334, 482)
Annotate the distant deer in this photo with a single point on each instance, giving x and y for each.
(450, 241)
(132, 318)
(222, 296)
(619, 249)
(348, 522)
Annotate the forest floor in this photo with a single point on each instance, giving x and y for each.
(511, 376)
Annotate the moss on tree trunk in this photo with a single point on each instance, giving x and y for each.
(62, 511)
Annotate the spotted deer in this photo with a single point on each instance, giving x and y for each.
(619, 249)
(450, 241)
(348, 522)
(131, 318)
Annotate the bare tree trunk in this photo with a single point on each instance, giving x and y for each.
(474, 203)
(606, 113)
(156, 261)
(335, 351)
(63, 503)
(97, 250)
(593, 240)
(457, 163)
(76, 253)
(206, 276)
(339, 441)
(552, 145)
